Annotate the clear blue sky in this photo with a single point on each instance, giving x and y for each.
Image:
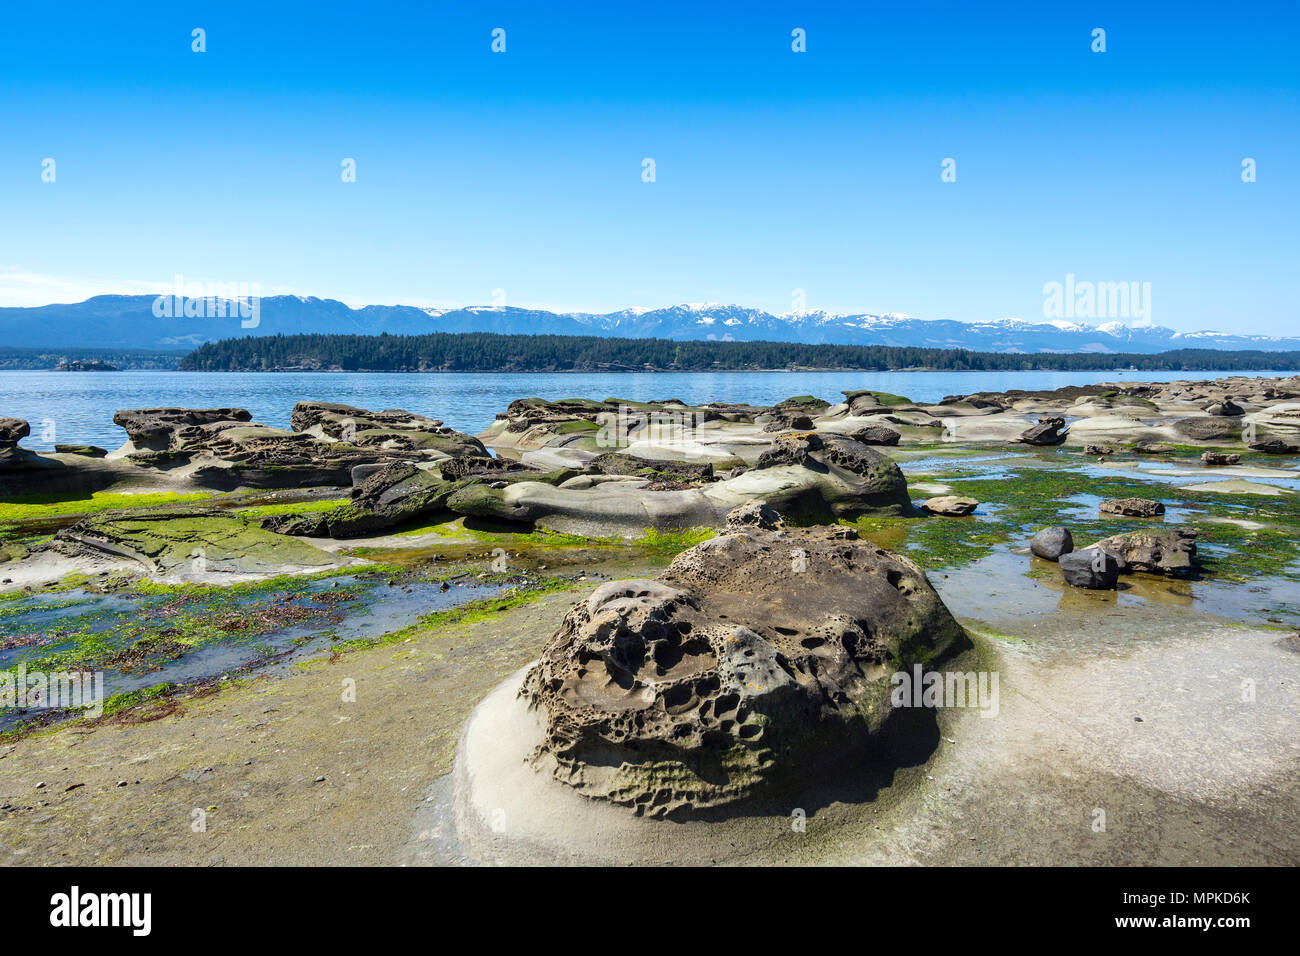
(775, 170)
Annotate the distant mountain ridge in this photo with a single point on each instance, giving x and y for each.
(129, 322)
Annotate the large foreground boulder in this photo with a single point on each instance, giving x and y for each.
(733, 668)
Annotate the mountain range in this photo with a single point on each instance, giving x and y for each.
(131, 322)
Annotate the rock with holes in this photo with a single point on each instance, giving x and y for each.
(1132, 507)
(755, 514)
(1169, 551)
(757, 656)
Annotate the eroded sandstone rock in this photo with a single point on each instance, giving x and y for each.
(388, 429)
(952, 505)
(1219, 458)
(1132, 507)
(732, 669)
(1209, 428)
(875, 434)
(13, 430)
(1169, 551)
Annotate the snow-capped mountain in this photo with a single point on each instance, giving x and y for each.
(121, 321)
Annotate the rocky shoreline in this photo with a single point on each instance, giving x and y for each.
(767, 568)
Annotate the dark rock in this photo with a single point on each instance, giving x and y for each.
(616, 463)
(396, 493)
(731, 672)
(476, 466)
(1227, 407)
(867, 480)
(1090, 568)
(1098, 450)
(13, 430)
(1050, 430)
(875, 434)
(87, 451)
(1132, 507)
(1275, 446)
(1051, 543)
(789, 422)
(1219, 458)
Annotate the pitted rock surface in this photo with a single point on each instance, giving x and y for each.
(755, 514)
(154, 427)
(1169, 551)
(732, 669)
(390, 429)
(1132, 507)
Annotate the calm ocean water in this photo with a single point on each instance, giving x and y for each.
(78, 407)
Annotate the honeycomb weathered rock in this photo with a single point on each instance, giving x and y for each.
(729, 670)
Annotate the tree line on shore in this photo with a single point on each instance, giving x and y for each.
(491, 352)
(47, 358)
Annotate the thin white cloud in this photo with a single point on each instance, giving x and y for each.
(21, 288)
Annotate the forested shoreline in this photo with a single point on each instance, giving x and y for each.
(490, 352)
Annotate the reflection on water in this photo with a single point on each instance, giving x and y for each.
(33, 627)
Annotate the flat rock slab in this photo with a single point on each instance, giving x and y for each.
(192, 545)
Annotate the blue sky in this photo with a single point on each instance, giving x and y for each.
(775, 170)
